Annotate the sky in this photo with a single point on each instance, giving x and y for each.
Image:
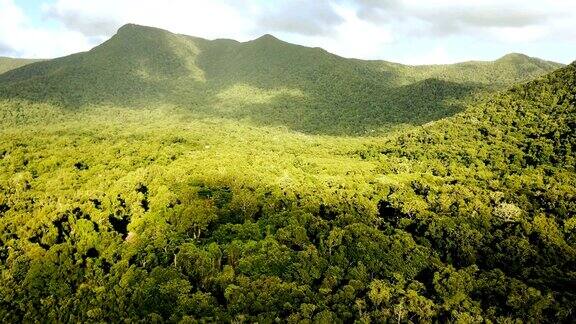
(404, 31)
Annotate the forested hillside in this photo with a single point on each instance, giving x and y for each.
(266, 81)
(7, 63)
(159, 177)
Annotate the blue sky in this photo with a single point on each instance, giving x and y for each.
(405, 31)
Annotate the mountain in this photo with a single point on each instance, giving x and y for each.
(7, 63)
(493, 190)
(509, 69)
(266, 80)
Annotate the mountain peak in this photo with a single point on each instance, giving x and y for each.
(515, 57)
(267, 37)
(135, 28)
(129, 26)
(513, 54)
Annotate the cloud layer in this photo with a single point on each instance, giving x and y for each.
(434, 31)
(20, 38)
(300, 16)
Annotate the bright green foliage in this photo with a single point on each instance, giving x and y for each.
(265, 81)
(116, 213)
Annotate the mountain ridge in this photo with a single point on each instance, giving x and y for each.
(143, 65)
(11, 63)
(271, 37)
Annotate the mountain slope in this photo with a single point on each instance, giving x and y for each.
(495, 188)
(7, 63)
(507, 70)
(540, 111)
(134, 63)
(267, 81)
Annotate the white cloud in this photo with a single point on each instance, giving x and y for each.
(18, 37)
(438, 55)
(353, 37)
(203, 18)
(88, 17)
(520, 34)
(305, 17)
(479, 18)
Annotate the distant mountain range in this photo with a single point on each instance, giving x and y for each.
(8, 63)
(265, 80)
